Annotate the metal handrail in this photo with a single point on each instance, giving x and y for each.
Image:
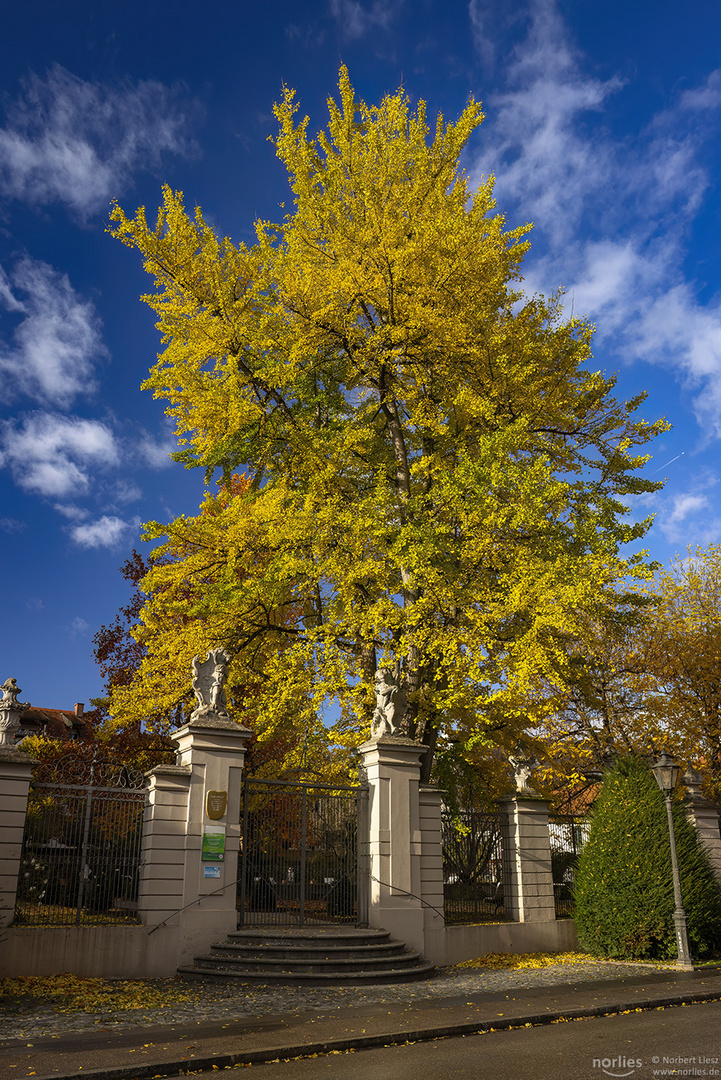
(406, 893)
(192, 903)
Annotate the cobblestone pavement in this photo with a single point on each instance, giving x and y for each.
(220, 1001)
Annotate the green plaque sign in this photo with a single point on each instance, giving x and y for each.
(213, 843)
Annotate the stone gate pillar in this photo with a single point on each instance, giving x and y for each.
(162, 863)
(214, 750)
(527, 859)
(15, 772)
(394, 847)
(191, 838)
(704, 816)
(431, 804)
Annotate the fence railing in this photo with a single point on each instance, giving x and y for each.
(567, 835)
(81, 848)
(474, 876)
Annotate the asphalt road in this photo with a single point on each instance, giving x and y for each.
(635, 1046)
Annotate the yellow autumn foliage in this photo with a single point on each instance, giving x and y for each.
(71, 993)
(525, 961)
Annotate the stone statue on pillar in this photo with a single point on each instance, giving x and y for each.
(10, 711)
(523, 766)
(209, 678)
(692, 779)
(389, 717)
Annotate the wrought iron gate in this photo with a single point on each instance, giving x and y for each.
(475, 875)
(568, 834)
(81, 847)
(299, 854)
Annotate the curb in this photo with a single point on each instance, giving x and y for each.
(187, 1066)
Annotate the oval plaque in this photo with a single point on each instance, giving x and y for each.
(215, 804)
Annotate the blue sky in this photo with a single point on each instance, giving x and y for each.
(602, 129)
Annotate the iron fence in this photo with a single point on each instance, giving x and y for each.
(81, 847)
(567, 834)
(299, 854)
(474, 875)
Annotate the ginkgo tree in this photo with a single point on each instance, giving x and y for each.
(435, 476)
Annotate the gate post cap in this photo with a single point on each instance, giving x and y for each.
(212, 723)
(12, 753)
(392, 750)
(168, 770)
(215, 723)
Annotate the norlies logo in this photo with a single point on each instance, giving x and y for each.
(617, 1066)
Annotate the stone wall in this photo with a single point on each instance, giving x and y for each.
(97, 952)
(453, 944)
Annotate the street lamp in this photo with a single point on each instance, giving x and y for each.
(666, 771)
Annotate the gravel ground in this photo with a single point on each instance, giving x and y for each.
(229, 1001)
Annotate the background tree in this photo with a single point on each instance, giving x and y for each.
(681, 650)
(117, 652)
(142, 740)
(434, 476)
(603, 711)
(651, 680)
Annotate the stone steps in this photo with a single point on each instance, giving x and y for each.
(308, 953)
(317, 956)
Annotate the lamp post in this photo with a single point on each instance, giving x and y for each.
(666, 771)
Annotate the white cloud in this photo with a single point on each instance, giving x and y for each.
(355, 20)
(78, 626)
(156, 452)
(703, 98)
(644, 312)
(11, 525)
(56, 343)
(482, 42)
(613, 278)
(611, 216)
(108, 531)
(676, 329)
(78, 143)
(684, 505)
(7, 297)
(125, 491)
(545, 161)
(71, 511)
(53, 455)
(687, 517)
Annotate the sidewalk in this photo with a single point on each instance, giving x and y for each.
(131, 1052)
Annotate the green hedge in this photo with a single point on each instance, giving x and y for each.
(624, 889)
